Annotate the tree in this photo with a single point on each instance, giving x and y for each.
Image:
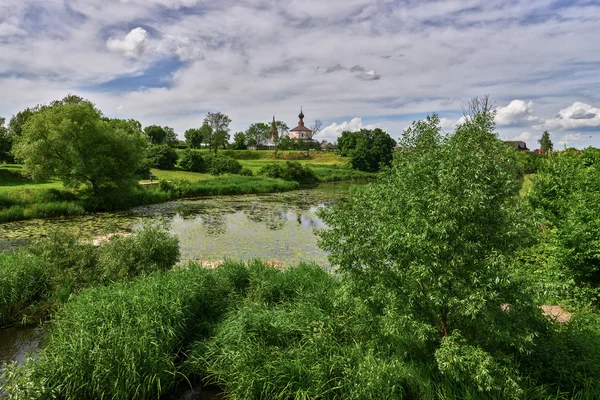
(368, 149)
(161, 135)
(316, 128)
(347, 142)
(195, 136)
(281, 130)
(70, 140)
(425, 249)
(219, 129)
(239, 141)
(545, 142)
(5, 143)
(192, 160)
(18, 121)
(257, 134)
(162, 156)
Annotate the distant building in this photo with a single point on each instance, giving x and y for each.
(517, 144)
(301, 131)
(270, 144)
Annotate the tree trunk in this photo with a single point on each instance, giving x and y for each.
(445, 329)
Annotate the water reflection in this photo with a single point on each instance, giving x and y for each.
(273, 226)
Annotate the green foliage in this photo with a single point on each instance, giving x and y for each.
(368, 149)
(218, 136)
(545, 142)
(5, 143)
(124, 257)
(159, 135)
(257, 134)
(223, 165)
(239, 141)
(290, 171)
(162, 156)
(429, 242)
(246, 172)
(23, 282)
(194, 137)
(70, 139)
(54, 268)
(192, 160)
(120, 341)
(527, 162)
(567, 193)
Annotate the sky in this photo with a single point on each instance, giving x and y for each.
(350, 63)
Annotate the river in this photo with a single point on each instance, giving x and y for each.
(278, 227)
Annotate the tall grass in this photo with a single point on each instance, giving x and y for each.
(53, 268)
(23, 283)
(119, 342)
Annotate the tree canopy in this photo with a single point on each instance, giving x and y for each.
(219, 130)
(368, 149)
(71, 140)
(161, 135)
(546, 144)
(426, 247)
(194, 137)
(257, 134)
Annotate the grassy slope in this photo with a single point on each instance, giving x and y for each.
(10, 180)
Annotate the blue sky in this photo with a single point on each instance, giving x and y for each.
(350, 63)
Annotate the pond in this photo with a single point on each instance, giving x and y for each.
(279, 227)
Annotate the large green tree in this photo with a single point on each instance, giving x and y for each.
(257, 134)
(545, 142)
(161, 135)
(71, 140)
(368, 149)
(219, 130)
(426, 247)
(196, 136)
(5, 143)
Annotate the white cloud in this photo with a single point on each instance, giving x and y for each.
(333, 131)
(134, 43)
(517, 112)
(576, 116)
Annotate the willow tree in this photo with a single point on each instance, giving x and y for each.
(72, 141)
(426, 247)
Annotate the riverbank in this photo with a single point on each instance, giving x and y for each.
(21, 198)
(256, 331)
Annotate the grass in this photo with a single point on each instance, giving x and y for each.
(260, 332)
(11, 179)
(50, 271)
(527, 185)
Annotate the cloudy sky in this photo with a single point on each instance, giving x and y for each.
(350, 63)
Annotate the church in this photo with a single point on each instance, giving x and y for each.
(301, 131)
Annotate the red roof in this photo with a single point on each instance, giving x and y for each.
(300, 128)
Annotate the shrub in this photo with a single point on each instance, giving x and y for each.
(149, 250)
(220, 164)
(290, 171)
(192, 160)
(162, 156)
(246, 172)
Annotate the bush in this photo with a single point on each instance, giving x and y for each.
(291, 171)
(192, 160)
(220, 164)
(149, 250)
(162, 156)
(246, 172)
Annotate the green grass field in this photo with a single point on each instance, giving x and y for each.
(11, 179)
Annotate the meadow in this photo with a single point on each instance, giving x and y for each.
(22, 198)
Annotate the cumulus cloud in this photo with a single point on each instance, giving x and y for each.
(134, 44)
(576, 116)
(517, 112)
(333, 131)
